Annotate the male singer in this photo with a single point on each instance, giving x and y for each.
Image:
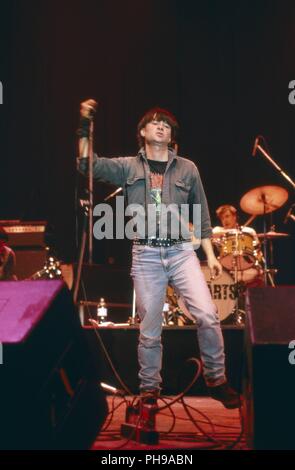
(157, 177)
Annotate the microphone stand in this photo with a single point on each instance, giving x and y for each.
(276, 166)
(267, 272)
(90, 193)
(86, 151)
(85, 205)
(87, 222)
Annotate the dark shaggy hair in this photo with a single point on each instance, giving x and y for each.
(158, 114)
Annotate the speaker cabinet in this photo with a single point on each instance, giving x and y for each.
(269, 375)
(49, 396)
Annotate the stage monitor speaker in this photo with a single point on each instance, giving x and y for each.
(269, 374)
(50, 396)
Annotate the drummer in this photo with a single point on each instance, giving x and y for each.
(227, 215)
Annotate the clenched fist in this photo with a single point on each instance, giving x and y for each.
(88, 108)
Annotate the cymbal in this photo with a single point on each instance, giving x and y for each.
(264, 199)
(273, 235)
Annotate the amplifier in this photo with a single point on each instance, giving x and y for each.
(24, 233)
(27, 239)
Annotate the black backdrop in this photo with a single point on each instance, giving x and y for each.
(222, 67)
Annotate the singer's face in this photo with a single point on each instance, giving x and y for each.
(157, 132)
(228, 219)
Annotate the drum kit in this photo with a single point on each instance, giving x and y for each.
(243, 253)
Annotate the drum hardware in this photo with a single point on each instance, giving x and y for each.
(176, 317)
(269, 273)
(249, 221)
(238, 313)
(175, 313)
(51, 269)
(261, 201)
(266, 155)
(290, 214)
(272, 235)
(266, 198)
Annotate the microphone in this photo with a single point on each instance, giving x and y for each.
(255, 146)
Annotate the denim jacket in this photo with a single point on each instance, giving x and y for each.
(181, 184)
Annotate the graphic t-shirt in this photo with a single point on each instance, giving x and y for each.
(157, 170)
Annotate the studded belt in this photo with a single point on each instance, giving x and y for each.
(154, 242)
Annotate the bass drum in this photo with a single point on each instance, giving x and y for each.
(222, 292)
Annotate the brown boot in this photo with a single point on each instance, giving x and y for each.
(226, 395)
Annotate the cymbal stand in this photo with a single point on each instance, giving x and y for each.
(239, 315)
(264, 242)
(267, 273)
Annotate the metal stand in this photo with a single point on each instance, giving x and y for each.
(87, 223)
(268, 273)
(264, 242)
(82, 249)
(90, 194)
(274, 164)
(239, 314)
(86, 151)
(133, 316)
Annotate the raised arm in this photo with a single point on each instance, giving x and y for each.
(110, 170)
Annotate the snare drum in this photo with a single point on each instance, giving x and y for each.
(238, 247)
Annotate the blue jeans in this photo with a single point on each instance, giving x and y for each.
(152, 269)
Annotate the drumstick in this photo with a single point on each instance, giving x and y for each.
(250, 220)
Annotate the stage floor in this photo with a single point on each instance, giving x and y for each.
(215, 427)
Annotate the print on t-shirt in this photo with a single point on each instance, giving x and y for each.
(156, 190)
